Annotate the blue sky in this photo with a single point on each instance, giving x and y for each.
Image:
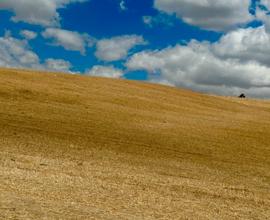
(213, 46)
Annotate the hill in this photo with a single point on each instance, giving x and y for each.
(75, 147)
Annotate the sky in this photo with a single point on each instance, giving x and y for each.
(213, 46)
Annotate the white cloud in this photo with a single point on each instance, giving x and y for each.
(27, 34)
(41, 12)
(245, 45)
(122, 5)
(70, 40)
(262, 16)
(16, 53)
(57, 65)
(234, 64)
(218, 15)
(148, 20)
(117, 48)
(160, 19)
(105, 71)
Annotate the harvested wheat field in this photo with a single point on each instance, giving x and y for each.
(75, 147)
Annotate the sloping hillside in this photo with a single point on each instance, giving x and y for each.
(77, 147)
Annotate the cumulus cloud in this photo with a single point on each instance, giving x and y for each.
(57, 65)
(41, 12)
(117, 48)
(263, 16)
(208, 14)
(70, 40)
(105, 71)
(16, 53)
(28, 35)
(228, 67)
(245, 45)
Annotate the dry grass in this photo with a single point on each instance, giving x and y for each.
(77, 147)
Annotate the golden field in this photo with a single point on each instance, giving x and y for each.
(75, 147)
